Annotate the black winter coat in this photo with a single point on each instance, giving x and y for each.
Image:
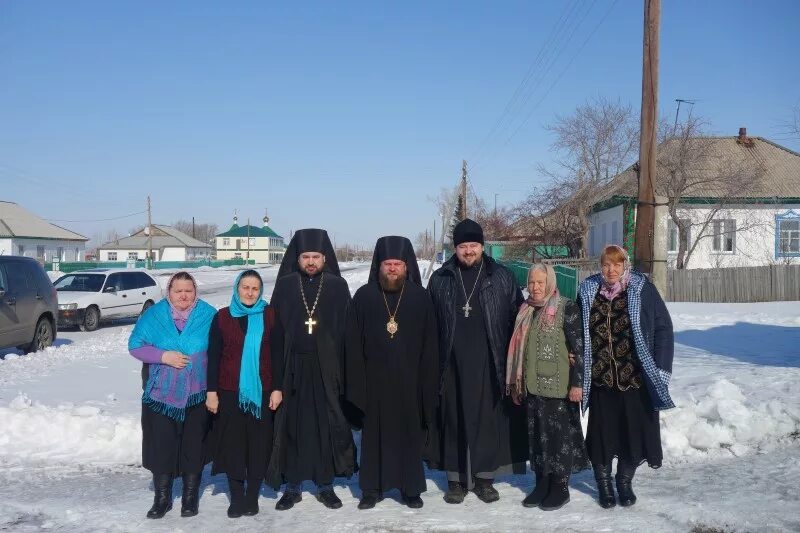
(500, 298)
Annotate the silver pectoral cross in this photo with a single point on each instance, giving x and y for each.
(467, 308)
(310, 323)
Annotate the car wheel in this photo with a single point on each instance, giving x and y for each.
(147, 305)
(91, 319)
(42, 336)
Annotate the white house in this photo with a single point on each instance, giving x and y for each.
(251, 242)
(759, 228)
(23, 233)
(167, 243)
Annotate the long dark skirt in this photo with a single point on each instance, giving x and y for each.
(623, 425)
(240, 444)
(555, 436)
(309, 452)
(173, 447)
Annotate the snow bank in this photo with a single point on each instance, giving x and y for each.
(721, 420)
(81, 435)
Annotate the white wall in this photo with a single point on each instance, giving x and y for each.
(754, 239)
(122, 255)
(67, 251)
(606, 227)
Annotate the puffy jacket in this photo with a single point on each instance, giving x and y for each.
(500, 298)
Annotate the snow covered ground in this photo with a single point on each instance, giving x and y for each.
(70, 442)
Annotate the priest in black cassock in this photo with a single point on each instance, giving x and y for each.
(313, 439)
(391, 373)
(480, 435)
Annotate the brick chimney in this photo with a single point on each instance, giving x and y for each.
(743, 139)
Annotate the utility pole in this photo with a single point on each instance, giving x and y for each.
(644, 248)
(149, 262)
(193, 237)
(248, 242)
(463, 213)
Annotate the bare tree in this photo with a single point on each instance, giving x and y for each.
(204, 232)
(693, 165)
(593, 144)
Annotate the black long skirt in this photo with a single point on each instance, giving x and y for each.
(555, 436)
(173, 447)
(240, 443)
(623, 425)
(309, 452)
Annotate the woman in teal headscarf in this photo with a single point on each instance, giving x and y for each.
(240, 377)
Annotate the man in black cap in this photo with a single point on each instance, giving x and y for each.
(391, 373)
(313, 438)
(480, 435)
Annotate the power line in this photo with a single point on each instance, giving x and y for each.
(99, 219)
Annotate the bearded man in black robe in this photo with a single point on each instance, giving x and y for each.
(391, 373)
(480, 434)
(313, 439)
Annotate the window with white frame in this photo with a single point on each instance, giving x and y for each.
(724, 235)
(112, 256)
(252, 241)
(672, 241)
(226, 241)
(787, 239)
(133, 255)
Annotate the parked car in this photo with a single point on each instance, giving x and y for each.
(28, 305)
(89, 296)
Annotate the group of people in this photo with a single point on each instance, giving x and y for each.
(467, 376)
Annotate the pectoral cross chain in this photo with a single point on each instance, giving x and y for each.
(310, 323)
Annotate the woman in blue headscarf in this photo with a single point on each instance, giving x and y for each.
(240, 392)
(171, 339)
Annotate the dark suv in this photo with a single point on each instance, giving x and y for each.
(28, 305)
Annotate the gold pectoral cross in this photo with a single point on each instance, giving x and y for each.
(310, 323)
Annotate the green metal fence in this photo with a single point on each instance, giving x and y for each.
(566, 277)
(157, 265)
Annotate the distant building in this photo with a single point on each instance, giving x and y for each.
(23, 233)
(168, 244)
(251, 242)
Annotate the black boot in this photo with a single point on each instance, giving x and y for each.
(236, 488)
(605, 490)
(287, 501)
(539, 492)
(455, 492)
(485, 491)
(625, 472)
(369, 499)
(412, 501)
(329, 499)
(251, 497)
(190, 499)
(557, 494)
(162, 501)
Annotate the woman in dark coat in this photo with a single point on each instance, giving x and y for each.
(171, 339)
(545, 370)
(240, 390)
(628, 349)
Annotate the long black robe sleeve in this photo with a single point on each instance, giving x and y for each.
(277, 358)
(355, 379)
(429, 367)
(214, 355)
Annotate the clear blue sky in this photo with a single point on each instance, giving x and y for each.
(345, 115)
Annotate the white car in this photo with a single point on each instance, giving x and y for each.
(89, 296)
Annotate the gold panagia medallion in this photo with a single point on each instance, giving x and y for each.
(391, 327)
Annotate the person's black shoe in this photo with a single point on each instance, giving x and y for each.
(539, 492)
(288, 500)
(190, 498)
(605, 489)
(236, 487)
(455, 492)
(251, 498)
(162, 501)
(625, 472)
(329, 499)
(412, 501)
(369, 499)
(485, 491)
(557, 494)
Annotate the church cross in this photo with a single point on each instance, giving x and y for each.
(467, 308)
(310, 323)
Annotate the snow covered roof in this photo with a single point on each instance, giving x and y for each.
(162, 237)
(16, 221)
